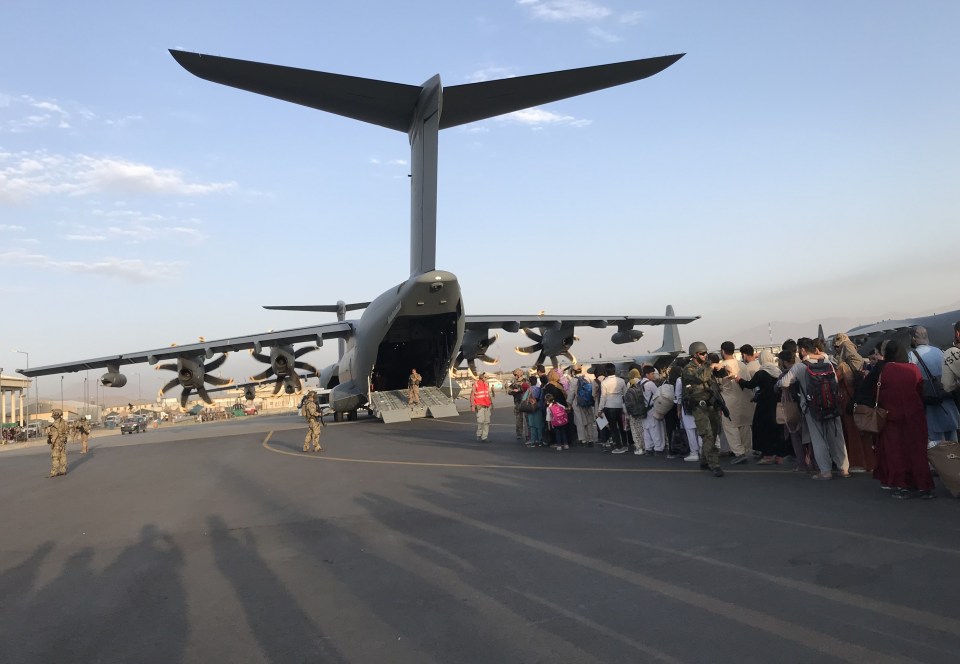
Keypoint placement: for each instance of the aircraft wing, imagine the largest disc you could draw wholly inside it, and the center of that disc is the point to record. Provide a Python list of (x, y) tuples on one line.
[(882, 326), (313, 334), (550, 336), (516, 323)]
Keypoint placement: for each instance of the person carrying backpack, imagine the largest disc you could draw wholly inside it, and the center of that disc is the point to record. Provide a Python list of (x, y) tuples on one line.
[(535, 420), (584, 415), (653, 430), (816, 379)]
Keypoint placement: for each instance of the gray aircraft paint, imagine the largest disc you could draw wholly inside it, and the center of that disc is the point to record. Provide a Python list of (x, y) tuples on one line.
[(420, 322)]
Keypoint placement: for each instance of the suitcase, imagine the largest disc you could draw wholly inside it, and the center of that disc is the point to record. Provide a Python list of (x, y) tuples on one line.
[(945, 457)]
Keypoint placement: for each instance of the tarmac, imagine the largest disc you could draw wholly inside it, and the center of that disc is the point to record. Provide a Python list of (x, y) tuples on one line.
[(413, 542)]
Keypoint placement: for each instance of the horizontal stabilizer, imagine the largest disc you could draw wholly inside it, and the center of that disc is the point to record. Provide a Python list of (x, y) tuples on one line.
[(391, 105), (487, 99), (381, 103), (329, 308)]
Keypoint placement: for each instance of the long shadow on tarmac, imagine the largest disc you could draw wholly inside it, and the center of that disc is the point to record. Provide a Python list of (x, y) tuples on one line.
[(132, 610), (284, 630)]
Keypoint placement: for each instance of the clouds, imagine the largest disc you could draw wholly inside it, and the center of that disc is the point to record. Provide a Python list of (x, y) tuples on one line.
[(538, 118), (129, 270), (565, 10), (27, 175), (604, 22)]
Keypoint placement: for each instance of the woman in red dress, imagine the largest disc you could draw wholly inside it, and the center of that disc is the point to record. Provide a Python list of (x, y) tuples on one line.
[(903, 442)]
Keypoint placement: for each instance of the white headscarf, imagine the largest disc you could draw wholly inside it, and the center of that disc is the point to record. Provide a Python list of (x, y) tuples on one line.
[(768, 363)]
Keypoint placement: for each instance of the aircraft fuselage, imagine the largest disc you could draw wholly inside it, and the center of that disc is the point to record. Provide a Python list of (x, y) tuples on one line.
[(417, 324)]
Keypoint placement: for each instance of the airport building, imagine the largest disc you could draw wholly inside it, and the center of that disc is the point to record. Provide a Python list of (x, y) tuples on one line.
[(14, 398)]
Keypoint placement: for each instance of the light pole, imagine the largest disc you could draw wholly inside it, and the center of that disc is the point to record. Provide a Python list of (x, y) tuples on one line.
[(139, 392), (61, 394), (36, 390)]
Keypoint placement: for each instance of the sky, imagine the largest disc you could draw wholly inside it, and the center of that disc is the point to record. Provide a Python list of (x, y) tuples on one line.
[(799, 163)]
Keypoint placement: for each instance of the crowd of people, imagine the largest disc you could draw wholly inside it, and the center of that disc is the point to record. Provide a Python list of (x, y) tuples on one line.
[(793, 407)]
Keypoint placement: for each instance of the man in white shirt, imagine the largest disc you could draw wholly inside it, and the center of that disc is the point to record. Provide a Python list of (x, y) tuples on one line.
[(951, 363), (653, 429), (737, 428), (611, 404)]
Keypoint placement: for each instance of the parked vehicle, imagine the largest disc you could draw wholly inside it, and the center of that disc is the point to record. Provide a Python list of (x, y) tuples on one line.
[(133, 425)]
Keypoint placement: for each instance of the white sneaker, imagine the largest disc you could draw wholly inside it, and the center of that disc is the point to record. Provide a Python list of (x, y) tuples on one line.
[(692, 457), (639, 451), (620, 450)]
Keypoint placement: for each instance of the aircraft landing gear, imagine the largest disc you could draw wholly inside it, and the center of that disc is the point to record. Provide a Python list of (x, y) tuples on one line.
[(352, 416)]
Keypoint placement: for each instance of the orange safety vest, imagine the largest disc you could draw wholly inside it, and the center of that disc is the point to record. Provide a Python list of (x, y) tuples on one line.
[(481, 394)]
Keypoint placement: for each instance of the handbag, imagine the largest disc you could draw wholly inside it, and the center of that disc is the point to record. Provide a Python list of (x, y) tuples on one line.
[(933, 393), (867, 419), (788, 412)]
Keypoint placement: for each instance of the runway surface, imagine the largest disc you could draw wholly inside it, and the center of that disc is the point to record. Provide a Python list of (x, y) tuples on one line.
[(414, 543)]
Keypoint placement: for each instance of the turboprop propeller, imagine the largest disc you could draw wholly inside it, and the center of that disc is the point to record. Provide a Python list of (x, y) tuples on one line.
[(283, 364), (193, 374)]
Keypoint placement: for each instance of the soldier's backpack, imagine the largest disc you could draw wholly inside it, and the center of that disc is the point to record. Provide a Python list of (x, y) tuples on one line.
[(635, 402), (558, 415), (823, 391), (584, 392)]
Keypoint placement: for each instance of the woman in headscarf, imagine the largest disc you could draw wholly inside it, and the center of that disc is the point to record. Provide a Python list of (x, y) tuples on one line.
[(902, 444), (849, 376), (767, 434)]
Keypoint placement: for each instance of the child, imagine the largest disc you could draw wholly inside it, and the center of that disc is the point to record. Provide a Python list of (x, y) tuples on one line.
[(557, 422)]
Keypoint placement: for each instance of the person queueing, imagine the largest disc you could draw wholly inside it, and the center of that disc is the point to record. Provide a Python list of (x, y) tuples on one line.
[(482, 404), (83, 430), (312, 414), (701, 391), (57, 439)]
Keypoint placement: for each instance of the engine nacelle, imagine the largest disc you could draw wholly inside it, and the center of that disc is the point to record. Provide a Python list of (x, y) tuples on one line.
[(282, 361), (190, 371), (475, 343), (626, 336), (113, 379), (250, 393)]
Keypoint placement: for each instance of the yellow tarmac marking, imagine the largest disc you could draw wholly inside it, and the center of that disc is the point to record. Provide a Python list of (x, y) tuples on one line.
[(487, 466)]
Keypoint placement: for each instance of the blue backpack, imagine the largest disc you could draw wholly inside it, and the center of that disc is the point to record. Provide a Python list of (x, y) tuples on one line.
[(584, 393)]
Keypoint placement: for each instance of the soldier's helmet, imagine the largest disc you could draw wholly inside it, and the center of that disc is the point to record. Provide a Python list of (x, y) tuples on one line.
[(312, 394), (56, 412), (697, 347)]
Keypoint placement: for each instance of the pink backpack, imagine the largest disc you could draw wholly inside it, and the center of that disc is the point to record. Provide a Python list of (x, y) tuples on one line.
[(558, 415)]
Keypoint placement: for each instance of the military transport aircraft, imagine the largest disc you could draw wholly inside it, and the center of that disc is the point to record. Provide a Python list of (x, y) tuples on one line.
[(939, 328), (420, 322), (659, 359)]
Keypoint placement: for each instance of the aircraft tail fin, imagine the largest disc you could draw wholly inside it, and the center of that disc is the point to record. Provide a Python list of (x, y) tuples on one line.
[(391, 105), (820, 334), (671, 336)]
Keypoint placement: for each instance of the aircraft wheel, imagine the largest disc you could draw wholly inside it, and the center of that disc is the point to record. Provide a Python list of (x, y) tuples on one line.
[(352, 416), (337, 416)]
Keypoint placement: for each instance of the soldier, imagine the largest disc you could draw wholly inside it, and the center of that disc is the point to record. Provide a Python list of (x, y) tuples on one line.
[(83, 430), (413, 388), (701, 399), (312, 415), (57, 439)]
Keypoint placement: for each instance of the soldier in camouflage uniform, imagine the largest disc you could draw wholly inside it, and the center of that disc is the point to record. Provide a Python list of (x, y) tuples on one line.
[(312, 415), (57, 439), (413, 389), (83, 430), (701, 399)]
